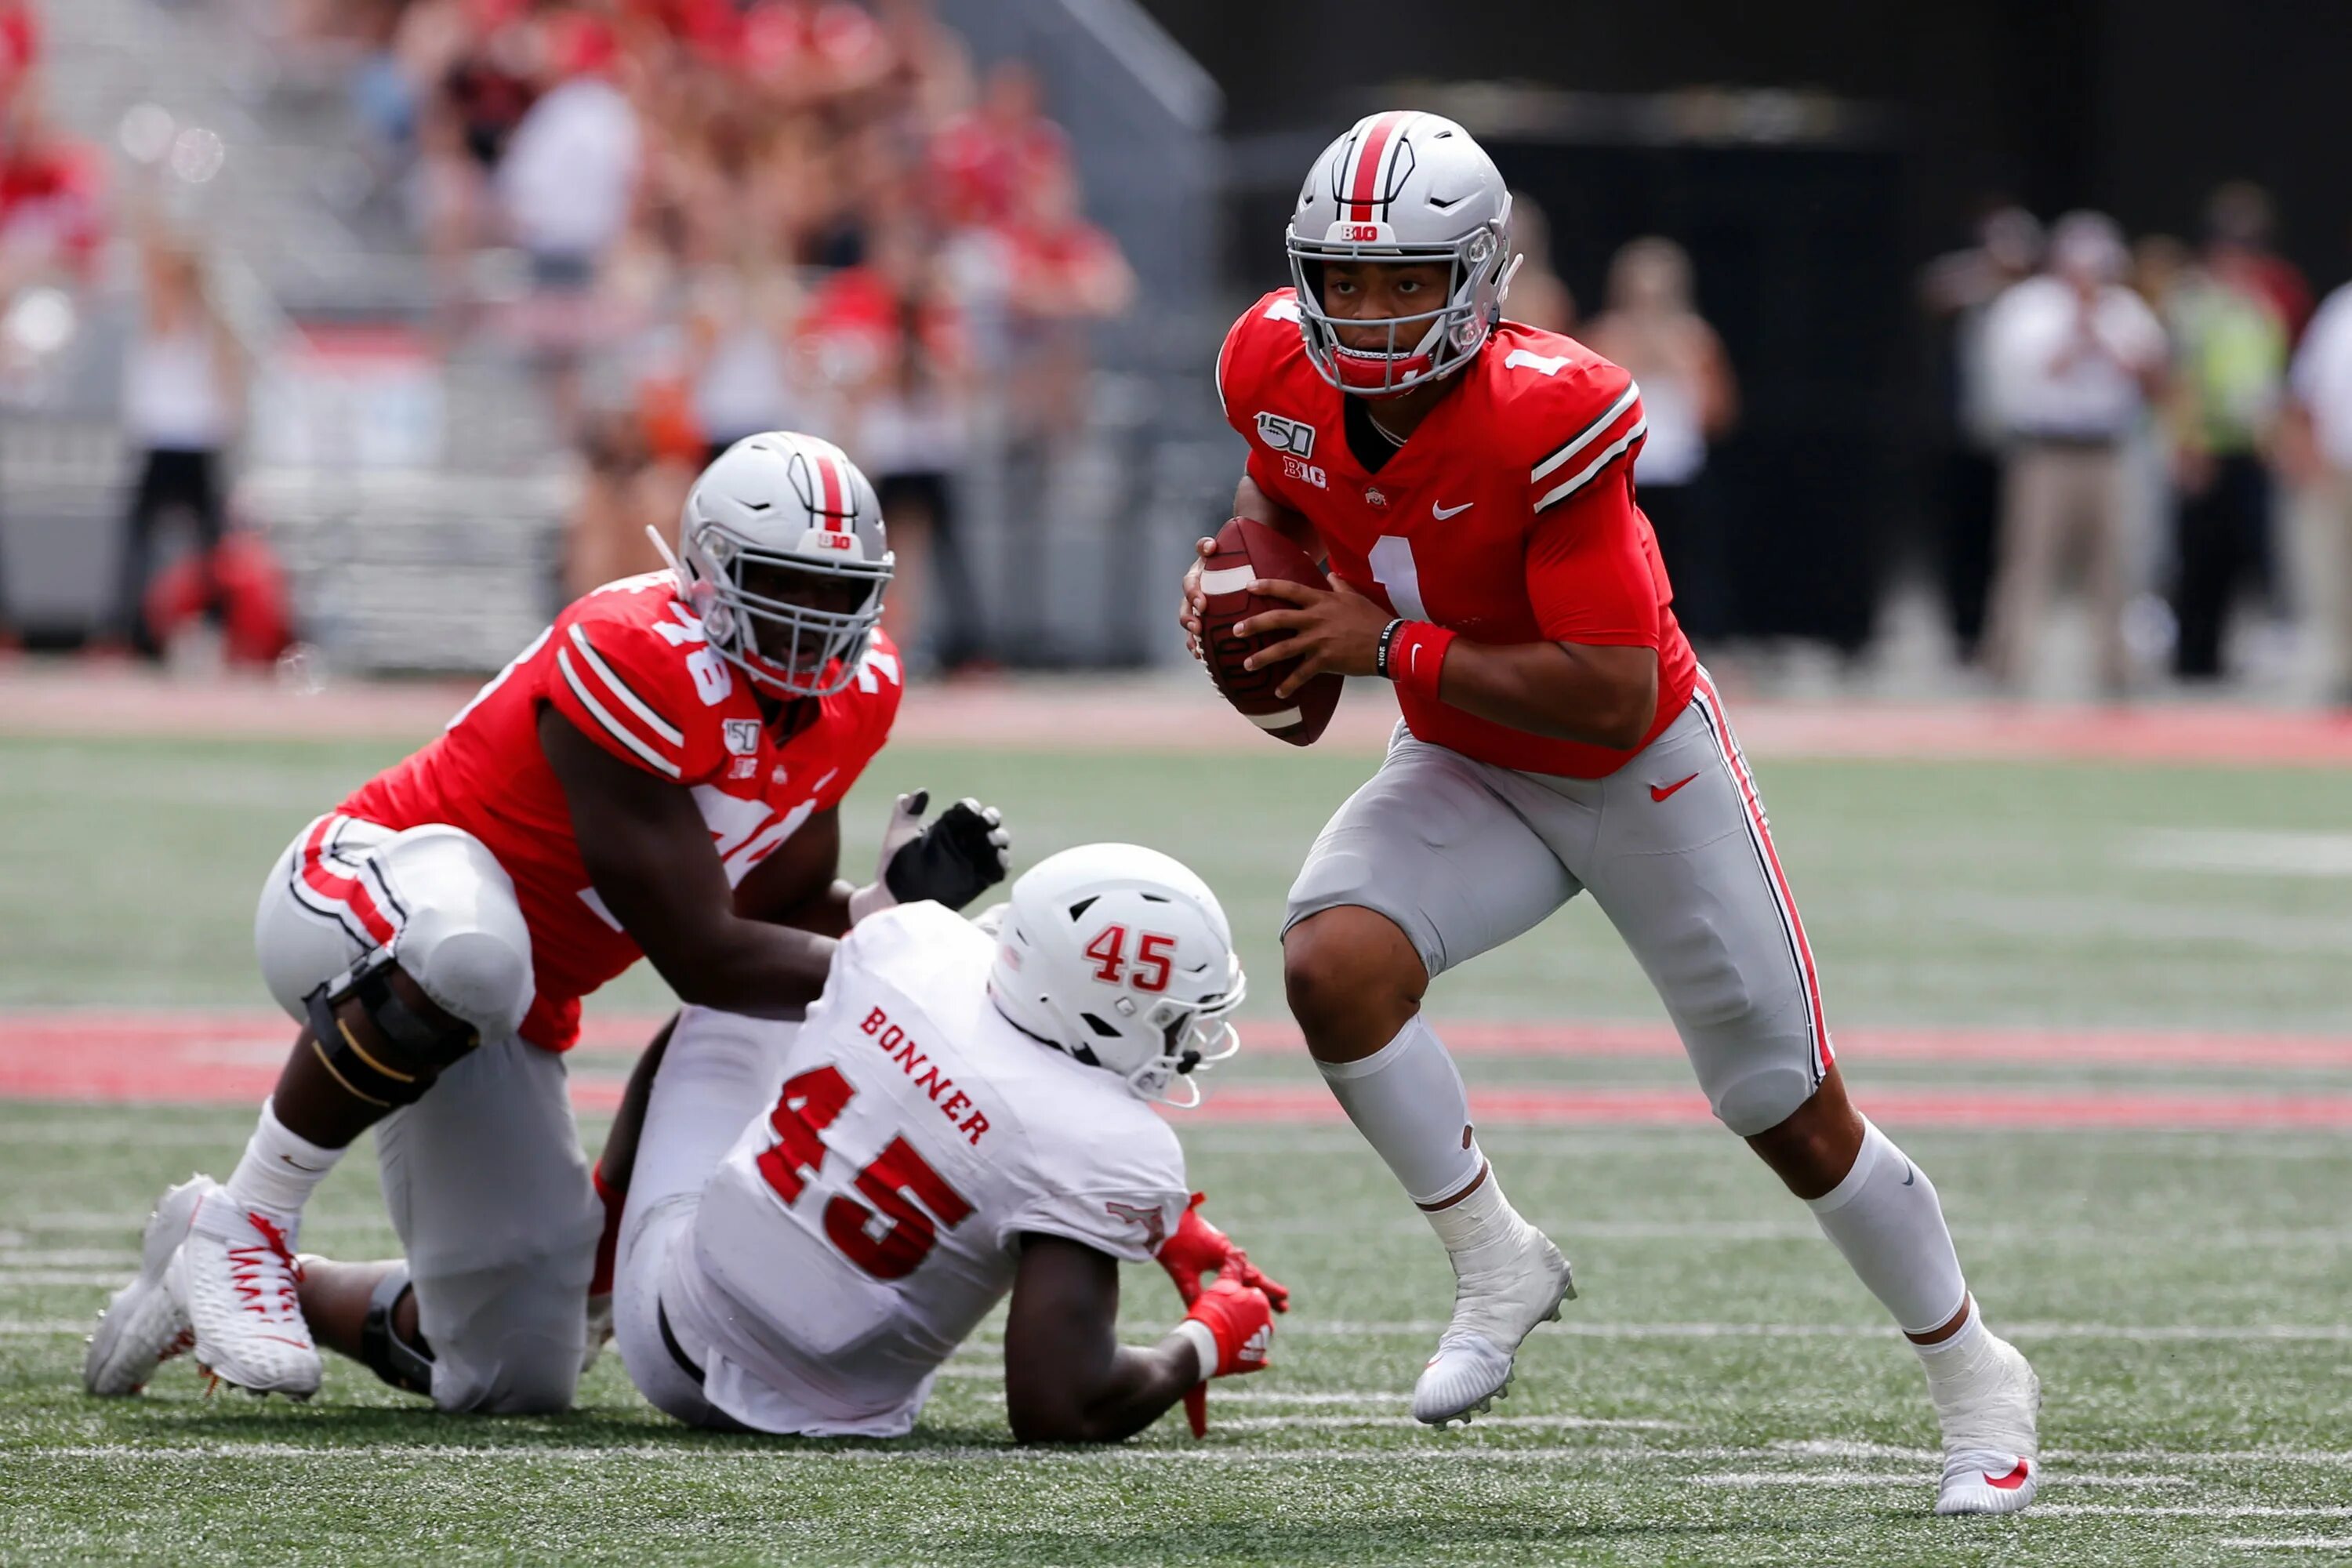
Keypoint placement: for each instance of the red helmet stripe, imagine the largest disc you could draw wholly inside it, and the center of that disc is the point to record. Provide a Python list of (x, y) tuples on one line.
[(829, 476), (1369, 153)]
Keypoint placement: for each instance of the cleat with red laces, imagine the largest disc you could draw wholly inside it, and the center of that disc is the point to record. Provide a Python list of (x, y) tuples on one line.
[(1992, 1446), (145, 1324), (238, 1274)]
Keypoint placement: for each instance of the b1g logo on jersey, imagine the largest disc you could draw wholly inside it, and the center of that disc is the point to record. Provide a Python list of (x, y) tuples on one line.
[(1293, 437), (1305, 473)]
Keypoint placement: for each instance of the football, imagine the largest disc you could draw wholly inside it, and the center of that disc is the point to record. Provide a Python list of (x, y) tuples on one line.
[(1248, 549)]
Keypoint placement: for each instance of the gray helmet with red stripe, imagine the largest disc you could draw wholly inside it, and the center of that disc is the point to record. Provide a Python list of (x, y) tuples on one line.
[(1403, 186), (779, 519)]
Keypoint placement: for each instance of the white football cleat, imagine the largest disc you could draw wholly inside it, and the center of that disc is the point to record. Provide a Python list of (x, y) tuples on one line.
[(237, 1274), (1991, 1445), (146, 1324), (1501, 1291)]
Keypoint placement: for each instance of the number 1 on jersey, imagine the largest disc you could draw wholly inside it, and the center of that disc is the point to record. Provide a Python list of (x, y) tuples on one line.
[(1394, 570)]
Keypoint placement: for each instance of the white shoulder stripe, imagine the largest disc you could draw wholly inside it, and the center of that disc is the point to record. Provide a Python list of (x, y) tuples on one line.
[(1568, 488), (619, 732), (1592, 432), (620, 688)]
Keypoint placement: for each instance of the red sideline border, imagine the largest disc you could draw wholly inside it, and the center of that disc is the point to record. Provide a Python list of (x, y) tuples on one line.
[(180, 1057)]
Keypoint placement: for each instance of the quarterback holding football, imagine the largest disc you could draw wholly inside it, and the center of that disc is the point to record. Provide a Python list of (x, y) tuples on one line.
[(1467, 481), (659, 774)]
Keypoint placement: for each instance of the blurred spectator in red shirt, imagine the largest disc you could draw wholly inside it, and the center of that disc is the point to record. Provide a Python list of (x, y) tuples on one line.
[(52, 217), (20, 43), (809, 51), (892, 341), (985, 160), (1061, 274), (2239, 216)]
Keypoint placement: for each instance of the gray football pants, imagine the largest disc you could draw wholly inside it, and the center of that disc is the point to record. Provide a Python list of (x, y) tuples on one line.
[(1464, 856)]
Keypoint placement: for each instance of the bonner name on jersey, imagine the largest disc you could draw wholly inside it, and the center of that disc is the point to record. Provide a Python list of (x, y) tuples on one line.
[(901, 1048)]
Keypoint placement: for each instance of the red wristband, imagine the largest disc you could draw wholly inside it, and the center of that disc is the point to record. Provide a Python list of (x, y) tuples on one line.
[(1417, 657)]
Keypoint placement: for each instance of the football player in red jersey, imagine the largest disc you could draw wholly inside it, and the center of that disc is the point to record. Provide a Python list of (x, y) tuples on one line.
[(659, 774), (1468, 482)]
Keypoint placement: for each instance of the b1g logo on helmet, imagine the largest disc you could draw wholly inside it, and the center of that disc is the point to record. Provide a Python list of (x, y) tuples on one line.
[(1294, 437)]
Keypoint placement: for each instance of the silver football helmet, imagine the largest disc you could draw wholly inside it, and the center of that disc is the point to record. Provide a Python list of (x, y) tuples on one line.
[(783, 556), (1403, 186), (1120, 956)]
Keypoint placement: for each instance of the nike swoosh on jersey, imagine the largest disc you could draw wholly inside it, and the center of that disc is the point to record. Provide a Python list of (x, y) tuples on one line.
[(1660, 792), (1441, 512)]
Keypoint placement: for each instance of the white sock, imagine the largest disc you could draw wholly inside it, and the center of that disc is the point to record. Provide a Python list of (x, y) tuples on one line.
[(1407, 1100), (1885, 1218), (280, 1168), (1954, 1359)]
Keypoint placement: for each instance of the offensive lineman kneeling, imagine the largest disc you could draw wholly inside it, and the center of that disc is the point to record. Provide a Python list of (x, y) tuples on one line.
[(957, 1118)]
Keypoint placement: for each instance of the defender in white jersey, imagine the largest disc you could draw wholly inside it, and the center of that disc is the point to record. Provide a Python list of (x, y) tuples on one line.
[(819, 1213)]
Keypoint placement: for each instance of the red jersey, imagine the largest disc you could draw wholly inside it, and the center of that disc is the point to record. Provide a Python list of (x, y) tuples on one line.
[(1507, 516), (628, 665)]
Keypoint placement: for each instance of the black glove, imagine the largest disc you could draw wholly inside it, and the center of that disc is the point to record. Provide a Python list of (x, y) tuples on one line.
[(954, 858)]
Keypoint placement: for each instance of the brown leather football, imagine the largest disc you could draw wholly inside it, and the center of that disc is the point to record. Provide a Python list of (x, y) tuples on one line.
[(1248, 549)]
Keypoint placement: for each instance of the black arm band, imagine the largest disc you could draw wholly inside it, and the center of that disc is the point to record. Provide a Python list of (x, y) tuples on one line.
[(1381, 654)]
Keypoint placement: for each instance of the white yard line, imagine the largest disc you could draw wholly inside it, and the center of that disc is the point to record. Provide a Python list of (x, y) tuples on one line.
[(1450, 1448), (2195, 1511), (1405, 1423), (2227, 1333), (1751, 1478)]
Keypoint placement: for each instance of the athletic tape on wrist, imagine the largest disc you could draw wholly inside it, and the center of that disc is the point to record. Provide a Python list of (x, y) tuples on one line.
[(1204, 1344)]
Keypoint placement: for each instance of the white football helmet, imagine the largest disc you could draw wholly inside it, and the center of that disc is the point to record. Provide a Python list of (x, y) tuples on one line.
[(776, 519), (1403, 186), (1120, 956)]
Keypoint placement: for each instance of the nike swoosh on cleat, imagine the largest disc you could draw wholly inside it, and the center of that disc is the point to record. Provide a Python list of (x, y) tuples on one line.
[(2012, 1481), (1910, 1172), (282, 1339), (1658, 792)]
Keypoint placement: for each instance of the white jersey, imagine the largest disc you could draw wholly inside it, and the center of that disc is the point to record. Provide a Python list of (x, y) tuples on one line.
[(871, 1217)]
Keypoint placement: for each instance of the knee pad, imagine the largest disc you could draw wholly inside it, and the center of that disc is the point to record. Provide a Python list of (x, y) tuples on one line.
[(406, 1366), (408, 1052), (464, 940)]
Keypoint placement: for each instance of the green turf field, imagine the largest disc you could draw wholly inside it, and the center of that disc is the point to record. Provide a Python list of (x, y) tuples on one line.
[(1723, 1393)]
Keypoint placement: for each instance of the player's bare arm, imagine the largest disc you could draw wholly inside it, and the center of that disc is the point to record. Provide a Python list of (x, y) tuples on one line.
[(648, 857), (1572, 692), (1066, 1377)]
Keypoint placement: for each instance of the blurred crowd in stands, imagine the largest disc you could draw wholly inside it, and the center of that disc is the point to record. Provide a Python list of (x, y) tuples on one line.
[(2168, 423), (696, 219), (808, 213)]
